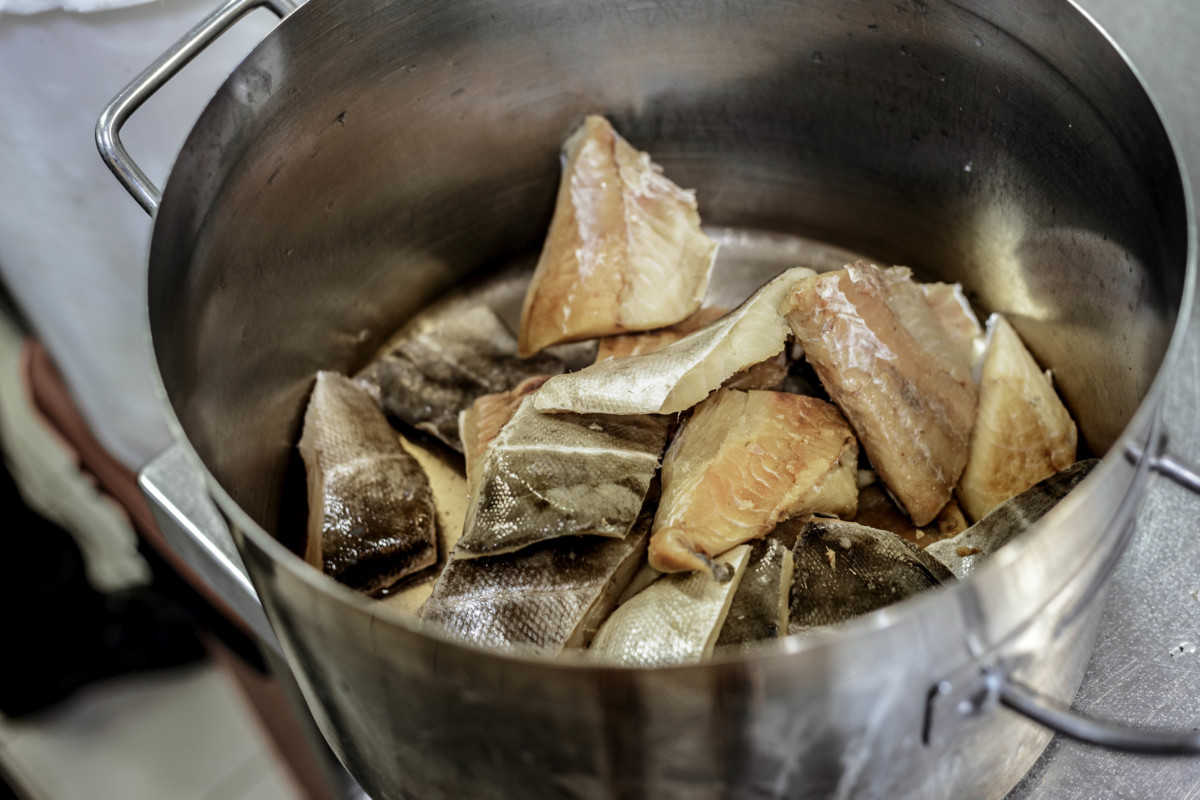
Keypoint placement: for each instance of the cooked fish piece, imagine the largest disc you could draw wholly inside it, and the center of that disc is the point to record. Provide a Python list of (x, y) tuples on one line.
[(963, 553), (759, 609), (547, 597), (885, 361), (633, 344), (682, 374), (950, 305), (371, 518), (741, 463), (487, 416), (645, 576), (675, 620), (843, 570), (767, 375), (550, 475), (876, 509), (625, 251), (441, 361), (1023, 432)]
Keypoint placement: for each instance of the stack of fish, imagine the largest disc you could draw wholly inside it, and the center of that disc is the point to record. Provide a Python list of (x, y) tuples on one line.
[(683, 495)]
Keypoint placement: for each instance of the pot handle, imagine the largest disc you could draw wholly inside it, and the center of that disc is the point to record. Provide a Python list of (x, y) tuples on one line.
[(140, 89)]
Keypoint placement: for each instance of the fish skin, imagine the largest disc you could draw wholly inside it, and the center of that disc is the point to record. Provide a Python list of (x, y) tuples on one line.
[(372, 519), (759, 610), (546, 598), (885, 361), (1007, 521), (442, 361), (742, 462), (633, 344), (1023, 433), (844, 570), (876, 509), (550, 475), (675, 620), (624, 252), (682, 374), (487, 416)]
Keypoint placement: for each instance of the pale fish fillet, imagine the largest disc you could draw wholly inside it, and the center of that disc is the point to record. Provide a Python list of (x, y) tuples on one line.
[(441, 361), (950, 305), (876, 509), (487, 416), (624, 252), (547, 597), (675, 620), (884, 360), (550, 475), (740, 464), (682, 374), (450, 503), (963, 553), (759, 610), (634, 344), (371, 517), (1023, 433), (844, 570)]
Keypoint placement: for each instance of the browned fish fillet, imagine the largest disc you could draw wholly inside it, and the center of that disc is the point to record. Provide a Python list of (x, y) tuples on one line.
[(371, 513), (1023, 433), (624, 252), (888, 365), (877, 510), (547, 597), (741, 463), (633, 344)]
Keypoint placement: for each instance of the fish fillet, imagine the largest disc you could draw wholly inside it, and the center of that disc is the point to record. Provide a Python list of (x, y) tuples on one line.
[(633, 344), (743, 462), (876, 509), (550, 475), (371, 513), (759, 610), (675, 620), (963, 553), (1023, 433), (547, 597), (624, 251), (952, 309), (682, 374), (442, 361), (888, 365), (843, 570)]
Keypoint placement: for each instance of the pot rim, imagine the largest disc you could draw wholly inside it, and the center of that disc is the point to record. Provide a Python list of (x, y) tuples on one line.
[(851, 634)]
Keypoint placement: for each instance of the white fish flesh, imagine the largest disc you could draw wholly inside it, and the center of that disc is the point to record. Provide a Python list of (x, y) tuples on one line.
[(675, 620), (682, 374)]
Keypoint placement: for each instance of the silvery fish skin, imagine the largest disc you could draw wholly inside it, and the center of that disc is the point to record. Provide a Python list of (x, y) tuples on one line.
[(682, 374), (888, 364), (442, 361), (876, 509), (487, 416), (759, 610), (964, 553), (550, 475), (547, 597), (1023, 433), (634, 344), (843, 570), (742, 462), (675, 620), (371, 513), (624, 252)]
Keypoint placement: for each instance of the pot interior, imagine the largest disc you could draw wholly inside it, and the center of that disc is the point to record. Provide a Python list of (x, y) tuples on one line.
[(369, 157)]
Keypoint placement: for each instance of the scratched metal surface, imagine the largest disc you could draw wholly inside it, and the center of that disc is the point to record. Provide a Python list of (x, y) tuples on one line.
[(1146, 665)]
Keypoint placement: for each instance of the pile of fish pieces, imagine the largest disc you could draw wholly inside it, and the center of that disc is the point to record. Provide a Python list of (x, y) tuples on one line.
[(674, 499)]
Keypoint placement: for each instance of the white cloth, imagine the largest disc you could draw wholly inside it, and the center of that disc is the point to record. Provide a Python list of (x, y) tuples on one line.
[(73, 243)]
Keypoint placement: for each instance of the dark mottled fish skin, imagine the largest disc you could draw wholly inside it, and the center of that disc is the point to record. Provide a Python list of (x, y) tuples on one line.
[(546, 598), (372, 519), (759, 610), (1007, 521), (551, 475), (442, 361), (843, 570)]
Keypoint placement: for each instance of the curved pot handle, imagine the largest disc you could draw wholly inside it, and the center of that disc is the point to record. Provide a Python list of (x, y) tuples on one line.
[(140, 89)]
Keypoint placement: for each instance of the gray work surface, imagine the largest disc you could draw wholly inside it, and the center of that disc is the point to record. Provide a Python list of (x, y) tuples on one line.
[(1146, 666)]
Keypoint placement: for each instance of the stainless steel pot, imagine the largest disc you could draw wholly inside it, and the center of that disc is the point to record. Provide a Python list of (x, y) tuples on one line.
[(368, 156)]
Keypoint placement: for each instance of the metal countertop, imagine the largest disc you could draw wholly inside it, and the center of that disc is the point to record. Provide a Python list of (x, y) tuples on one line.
[(1146, 665)]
